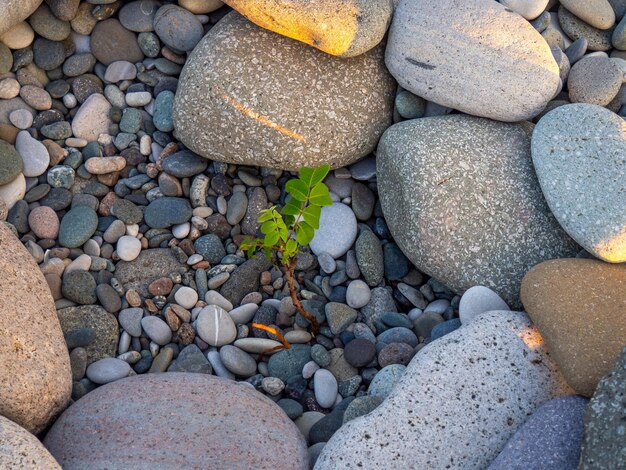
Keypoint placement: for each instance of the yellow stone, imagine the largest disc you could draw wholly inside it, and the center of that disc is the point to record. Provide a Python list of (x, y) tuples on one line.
[(344, 28)]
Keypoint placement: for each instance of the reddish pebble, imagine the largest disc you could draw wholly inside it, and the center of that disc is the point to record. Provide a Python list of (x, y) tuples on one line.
[(161, 286), (44, 222)]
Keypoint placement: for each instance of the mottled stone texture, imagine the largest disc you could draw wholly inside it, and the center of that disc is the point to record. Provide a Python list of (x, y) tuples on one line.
[(345, 28), (454, 413), (249, 96), (14, 11), (176, 420), (34, 363), (605, 423), (147, 267), (578, 151), (579, 306), (19, 449), (462, 201), (476, 56)]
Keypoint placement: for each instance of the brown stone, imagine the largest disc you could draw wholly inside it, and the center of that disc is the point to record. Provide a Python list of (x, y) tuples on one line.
[(34, 362), (57, 153), (579, 306), (162, 286), (172, 320), (133, 298), (110, 41), (104, 165), (247, 429), (148, 266), (21, 450), (185, 334)]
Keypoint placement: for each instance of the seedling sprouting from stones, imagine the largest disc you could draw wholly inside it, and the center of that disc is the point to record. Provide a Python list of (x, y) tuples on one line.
[(285, 232)]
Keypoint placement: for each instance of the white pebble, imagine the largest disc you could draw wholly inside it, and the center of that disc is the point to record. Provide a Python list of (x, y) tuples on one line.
[(358, 294), (138, 98), (195, 258), (82, 263), (70, 101), (128, 248), (182, 230), (21, 118), (215, 298), (34, 154), (145, 144), (132, 230), (186, 297)]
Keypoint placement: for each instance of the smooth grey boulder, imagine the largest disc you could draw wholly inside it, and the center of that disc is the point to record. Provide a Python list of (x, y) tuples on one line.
[(476, 56), (454, 414), (249, 96), (578, 152), (462, 201), (14, 11)]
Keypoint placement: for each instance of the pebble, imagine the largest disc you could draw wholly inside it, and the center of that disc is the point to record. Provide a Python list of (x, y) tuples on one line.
[(210, 247), (79, 287), (191, 359), (337, 232), (9, 88), (325, 388), (594, 80), (10, 163), (34, 155), (110, 42), (237, 361), (215, 298), (92, 118), (139, 15), (596, 13), (477, 300), (138, 98), (44, 222), (21, 118), (130, 320), (339, 316), (215, 326), (77, 226), (128, 248), (256, 345), (120, 70), (157, 330), (529, 9), (108, 298), (369, 256), (186, 297), (104, 165), (177, 28), (167, 211), (359, 352), (107, 370)]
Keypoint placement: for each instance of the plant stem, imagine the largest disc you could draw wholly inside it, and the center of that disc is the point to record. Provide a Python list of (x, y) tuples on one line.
[(315, 326)]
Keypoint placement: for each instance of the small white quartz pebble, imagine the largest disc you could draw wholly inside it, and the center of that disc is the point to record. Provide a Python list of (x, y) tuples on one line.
[(186, 297), (128, 248), (181, 231)]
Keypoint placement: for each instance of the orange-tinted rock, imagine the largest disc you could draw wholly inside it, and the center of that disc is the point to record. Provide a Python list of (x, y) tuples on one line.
[(176, 420), (34, 363), (579, 305)]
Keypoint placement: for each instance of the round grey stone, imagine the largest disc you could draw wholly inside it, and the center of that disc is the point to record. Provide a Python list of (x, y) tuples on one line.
[(237, 361), (77, 226)]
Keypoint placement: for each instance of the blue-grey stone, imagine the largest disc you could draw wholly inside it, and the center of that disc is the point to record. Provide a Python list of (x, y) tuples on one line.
[(396, 264), (549, 439), (385, 379), (184, 164), (397, 334), (361, 406), (77, 226), (444, 328), (289, 362), (163, 113), (191, 359), (210, 247), (167, 211)]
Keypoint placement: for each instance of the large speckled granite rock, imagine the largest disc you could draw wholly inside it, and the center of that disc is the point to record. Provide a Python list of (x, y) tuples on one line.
[(462, 201), (603, 443), (454, 414), (19, 449), (578, 152), (342, 28), (476, 56), (34, 363), (14, 11), (252, 97), (176, 420), (579, 306)]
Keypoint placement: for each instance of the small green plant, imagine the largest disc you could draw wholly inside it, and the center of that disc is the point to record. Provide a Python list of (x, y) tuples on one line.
[(285, 232)]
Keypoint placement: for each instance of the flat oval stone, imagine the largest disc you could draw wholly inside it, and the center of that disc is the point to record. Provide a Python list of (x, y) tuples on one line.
[(429, 42), (184, 164), (337, 232), (215, 326), (77, 226), (325, 388), (157, 330), (477, 300), (218, 113), (594, 80), (139, 15), (167, 211), (248, 430), (238, 361), (10, 163), (107, 370), (597, 13), (34, 154), (577, 151)]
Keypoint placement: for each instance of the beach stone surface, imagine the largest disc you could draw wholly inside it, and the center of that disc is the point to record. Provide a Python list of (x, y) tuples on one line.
[(552, 435), (92, 118), (344, 29), (594, 80), (337, 232), (576, 152), (458, 226), (34, 362), (21, 450), (430, 41), (477, 300), (575, 303), (596, 13), (248, 102), (603, 442), (10, 163), (514, 376), (247, 429), (110, 42), (15, 11)]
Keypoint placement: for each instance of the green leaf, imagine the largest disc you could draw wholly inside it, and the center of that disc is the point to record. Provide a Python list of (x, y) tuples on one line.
[(312, 176), (304, 233), (284, 233), (292, 247), (292, 207), (298, 189), (320, 196), (268, 227), (271, 239), (289, 220), (267, 214), (312, 216)]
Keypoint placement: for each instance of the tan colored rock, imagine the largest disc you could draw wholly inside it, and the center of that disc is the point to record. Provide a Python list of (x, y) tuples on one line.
[(579, 306), (344, 28), (597, 13), (19, 449), (199, 7), (249, 96), (19, 36), (92, 118), (172, 423), (104, 165), (14, 11), (34, 363)]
